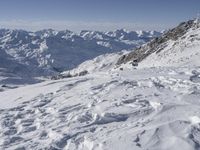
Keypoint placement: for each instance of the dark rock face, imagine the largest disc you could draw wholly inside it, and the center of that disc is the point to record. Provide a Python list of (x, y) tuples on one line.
[(195, 77), (68, 75), (157, 44)]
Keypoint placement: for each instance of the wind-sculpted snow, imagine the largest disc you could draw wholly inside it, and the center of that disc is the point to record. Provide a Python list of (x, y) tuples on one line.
[(155, 109), (103, 106)]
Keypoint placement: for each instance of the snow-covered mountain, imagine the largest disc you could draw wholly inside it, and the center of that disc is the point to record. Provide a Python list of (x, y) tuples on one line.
[(177, 47), (144, 99), (47, 52)]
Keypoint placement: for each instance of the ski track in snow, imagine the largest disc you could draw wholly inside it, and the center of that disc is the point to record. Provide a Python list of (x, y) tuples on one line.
[(131, 109)]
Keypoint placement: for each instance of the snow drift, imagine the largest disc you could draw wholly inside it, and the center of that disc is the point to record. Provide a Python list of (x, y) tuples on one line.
[(153, 106)]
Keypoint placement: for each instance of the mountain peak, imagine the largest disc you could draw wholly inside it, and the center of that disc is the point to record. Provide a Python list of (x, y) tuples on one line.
[(172, 39), (48, 52)]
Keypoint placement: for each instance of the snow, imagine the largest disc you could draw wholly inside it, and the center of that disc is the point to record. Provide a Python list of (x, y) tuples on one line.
[(195, 120), (43, 46), (182, 52), (119, 109), (100, 63), (49, 52), (154, 106)]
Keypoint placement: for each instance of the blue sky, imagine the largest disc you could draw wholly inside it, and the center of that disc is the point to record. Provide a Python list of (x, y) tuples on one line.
[(96, 14)]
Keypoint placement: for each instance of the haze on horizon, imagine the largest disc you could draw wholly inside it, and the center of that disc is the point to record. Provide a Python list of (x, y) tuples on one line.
[(101, 15)]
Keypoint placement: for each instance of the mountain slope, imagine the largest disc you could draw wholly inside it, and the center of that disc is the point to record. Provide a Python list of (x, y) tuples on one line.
[(112, 106), (182, 52), (29, 55), (62, 50), (176, 47), (13, 73), (130, 109)]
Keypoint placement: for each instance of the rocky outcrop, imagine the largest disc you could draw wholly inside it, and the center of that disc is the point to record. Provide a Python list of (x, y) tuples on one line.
[(157, 44), (69, 75)]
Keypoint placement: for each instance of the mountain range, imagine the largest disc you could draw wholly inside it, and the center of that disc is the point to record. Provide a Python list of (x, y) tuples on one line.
[(146, 98), (25, 55)]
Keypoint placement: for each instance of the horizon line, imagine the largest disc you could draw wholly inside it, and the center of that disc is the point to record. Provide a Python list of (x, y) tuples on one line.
[(77, 26)]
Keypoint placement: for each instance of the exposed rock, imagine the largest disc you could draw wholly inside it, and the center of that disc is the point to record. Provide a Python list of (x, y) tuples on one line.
[(69, 75), (82, 73), (157, 44)]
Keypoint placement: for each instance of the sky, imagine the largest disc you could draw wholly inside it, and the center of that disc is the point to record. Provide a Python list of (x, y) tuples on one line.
[(100, 15)]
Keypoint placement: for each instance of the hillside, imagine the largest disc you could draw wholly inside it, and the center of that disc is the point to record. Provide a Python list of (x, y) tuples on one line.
[(177, 47), (25, 56), (116, 105)]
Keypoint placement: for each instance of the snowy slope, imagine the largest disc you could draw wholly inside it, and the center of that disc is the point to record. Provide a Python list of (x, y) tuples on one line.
[(104, 62), (176, 47), (155, 109), (57, 51), (182, 52), (112, 107), (25, 55), (13, 73)]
